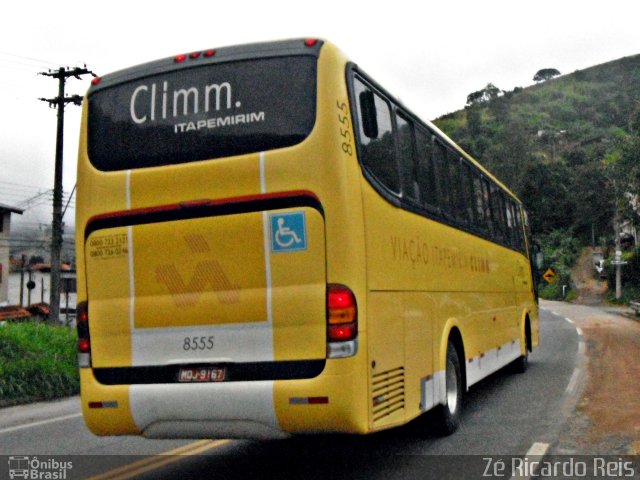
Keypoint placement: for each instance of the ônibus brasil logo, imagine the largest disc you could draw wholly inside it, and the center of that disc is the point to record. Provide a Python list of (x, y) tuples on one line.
[(35, 468)]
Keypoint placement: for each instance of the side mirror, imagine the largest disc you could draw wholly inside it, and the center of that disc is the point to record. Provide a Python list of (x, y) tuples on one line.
[(539, 258), (537, 255), (368, 114)]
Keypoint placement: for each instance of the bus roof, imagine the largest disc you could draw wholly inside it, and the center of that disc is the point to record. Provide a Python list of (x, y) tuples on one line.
[(210, 56)]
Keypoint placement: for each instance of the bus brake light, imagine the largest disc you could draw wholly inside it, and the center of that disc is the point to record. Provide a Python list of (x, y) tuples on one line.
[(343, 333), (83, 345), (84, 341), (342, 314)]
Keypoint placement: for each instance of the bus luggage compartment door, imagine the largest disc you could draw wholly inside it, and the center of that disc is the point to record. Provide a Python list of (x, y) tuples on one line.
[(233, 288)]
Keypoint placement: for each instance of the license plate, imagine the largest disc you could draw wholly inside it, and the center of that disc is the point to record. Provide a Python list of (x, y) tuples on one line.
[(201, 374)]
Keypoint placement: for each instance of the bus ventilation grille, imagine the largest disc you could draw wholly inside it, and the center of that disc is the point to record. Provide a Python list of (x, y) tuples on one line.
[(387, 393)]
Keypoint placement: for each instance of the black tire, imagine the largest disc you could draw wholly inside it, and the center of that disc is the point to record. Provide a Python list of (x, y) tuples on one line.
[(448, 415), (521, 363)]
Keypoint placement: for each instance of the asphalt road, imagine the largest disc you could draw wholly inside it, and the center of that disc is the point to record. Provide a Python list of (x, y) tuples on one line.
[(505, 415)]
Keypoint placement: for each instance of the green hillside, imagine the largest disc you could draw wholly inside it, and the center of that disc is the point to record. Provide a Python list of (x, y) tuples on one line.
[(569, 147)]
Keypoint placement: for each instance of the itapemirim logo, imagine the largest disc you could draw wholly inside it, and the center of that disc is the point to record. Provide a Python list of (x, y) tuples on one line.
[(38, 469)]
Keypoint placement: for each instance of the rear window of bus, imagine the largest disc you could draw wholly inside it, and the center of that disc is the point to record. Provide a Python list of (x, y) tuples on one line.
[(204, 112)]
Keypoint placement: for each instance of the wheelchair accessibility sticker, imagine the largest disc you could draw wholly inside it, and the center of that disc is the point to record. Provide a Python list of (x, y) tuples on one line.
[(288, 232)]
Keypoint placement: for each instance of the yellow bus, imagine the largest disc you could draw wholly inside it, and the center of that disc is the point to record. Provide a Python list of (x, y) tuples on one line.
[(269, 243)]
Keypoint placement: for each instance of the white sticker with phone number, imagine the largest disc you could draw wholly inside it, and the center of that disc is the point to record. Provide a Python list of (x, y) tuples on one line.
[(108, 246)]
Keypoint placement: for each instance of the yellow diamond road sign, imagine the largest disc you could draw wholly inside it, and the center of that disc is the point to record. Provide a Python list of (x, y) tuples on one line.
[(549, 275)]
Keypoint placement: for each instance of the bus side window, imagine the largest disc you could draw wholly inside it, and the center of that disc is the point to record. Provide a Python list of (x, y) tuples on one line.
[(426, 171), (478, 196), (442, 176), (497, 214), (490, 225), (515, 225), (468, 192), (368, 114), (377, 145), (503, 218), (456, 186), (520, 245), (406, 151), (510, 229)]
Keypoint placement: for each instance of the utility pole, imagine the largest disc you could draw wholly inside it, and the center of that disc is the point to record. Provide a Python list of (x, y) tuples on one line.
[(59, 102), (618, 262)]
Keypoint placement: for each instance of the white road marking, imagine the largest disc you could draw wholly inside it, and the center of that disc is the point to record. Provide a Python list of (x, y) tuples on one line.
[(573, 383), (538, 448), (39, 423), (537, 451)]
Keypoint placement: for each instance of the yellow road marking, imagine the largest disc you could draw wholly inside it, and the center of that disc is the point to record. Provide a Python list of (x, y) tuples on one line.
[(154, 462)]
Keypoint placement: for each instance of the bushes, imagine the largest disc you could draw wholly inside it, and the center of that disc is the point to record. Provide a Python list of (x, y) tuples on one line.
[(554, 291), (561, 250), (37, 362)]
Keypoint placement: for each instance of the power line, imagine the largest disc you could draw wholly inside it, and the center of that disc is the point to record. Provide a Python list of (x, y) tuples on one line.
[(69, 200), (14, 194), (23, 57), (22, 185), (12, 64)]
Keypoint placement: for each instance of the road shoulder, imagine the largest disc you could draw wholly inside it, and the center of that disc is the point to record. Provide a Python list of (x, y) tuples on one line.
[(606, 417), (13, 417)]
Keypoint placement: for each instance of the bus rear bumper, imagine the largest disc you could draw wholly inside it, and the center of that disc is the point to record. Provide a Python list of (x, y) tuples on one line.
[(190, 429), (269, 409), (211, 410)]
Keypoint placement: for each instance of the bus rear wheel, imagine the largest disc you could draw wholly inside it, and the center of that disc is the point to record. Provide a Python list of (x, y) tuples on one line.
[(448, 415), (521, 363)]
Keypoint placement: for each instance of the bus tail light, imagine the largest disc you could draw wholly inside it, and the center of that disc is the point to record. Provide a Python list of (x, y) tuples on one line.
[(84, 341), (342, 322)]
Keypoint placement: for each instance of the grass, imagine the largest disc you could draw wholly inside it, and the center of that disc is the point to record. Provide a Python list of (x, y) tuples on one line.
[(629, 293), (37, 362)]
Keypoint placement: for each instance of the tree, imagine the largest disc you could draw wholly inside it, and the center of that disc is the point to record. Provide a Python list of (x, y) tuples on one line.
[(482, 96), (545, 74), (547, 197), (474, 120), (593, 202)]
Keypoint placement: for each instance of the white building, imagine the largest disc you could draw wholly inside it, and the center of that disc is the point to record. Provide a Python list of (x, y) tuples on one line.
[(5, 227)]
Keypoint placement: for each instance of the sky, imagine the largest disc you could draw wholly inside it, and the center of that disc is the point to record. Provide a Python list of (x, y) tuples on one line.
[(431, 55)]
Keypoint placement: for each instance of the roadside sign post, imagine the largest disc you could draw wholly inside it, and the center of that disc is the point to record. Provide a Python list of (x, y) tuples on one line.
[(618, 262)]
